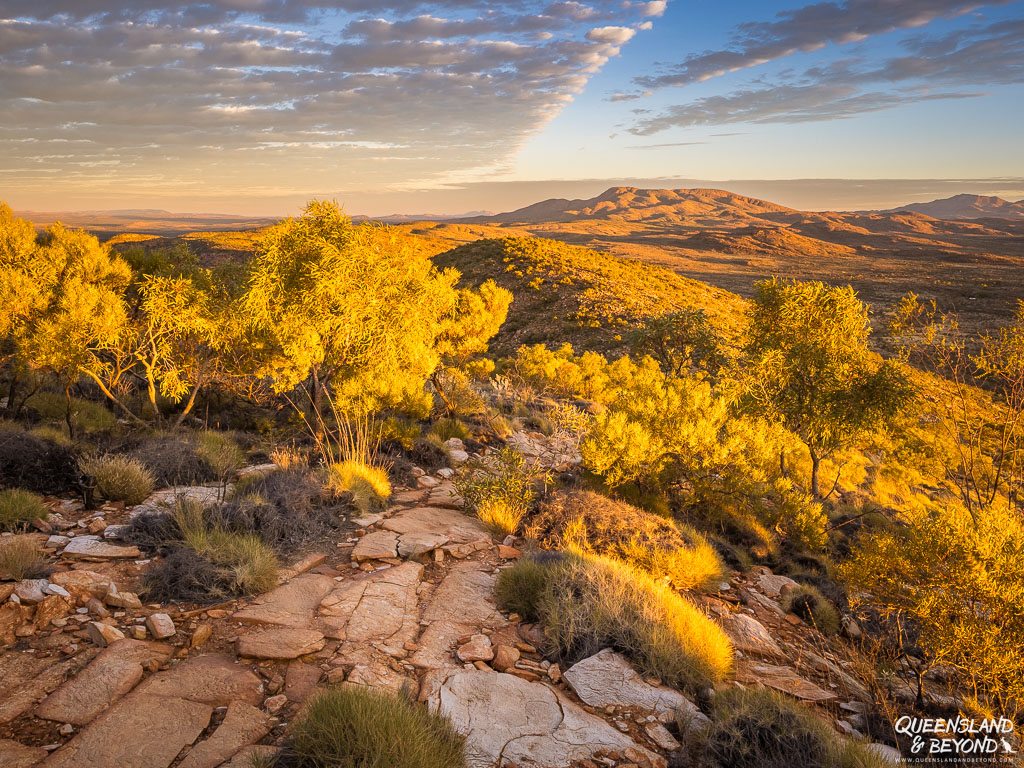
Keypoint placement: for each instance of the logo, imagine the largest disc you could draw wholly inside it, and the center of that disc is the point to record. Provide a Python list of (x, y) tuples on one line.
[(958, 740)]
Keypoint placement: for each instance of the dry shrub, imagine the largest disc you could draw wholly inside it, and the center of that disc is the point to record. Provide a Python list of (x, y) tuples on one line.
[(21, 558), (19, 507), (353, 727), (500, 518), (173, 460), (809, 604), (36, 464), (761, 728), (589, 522), (590, 602), (120, 478)]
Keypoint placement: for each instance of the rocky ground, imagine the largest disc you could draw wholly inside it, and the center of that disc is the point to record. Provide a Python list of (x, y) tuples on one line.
[(92, 677)]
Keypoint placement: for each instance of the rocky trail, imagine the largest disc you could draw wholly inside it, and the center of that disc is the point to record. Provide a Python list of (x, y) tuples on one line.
[(91, 677)]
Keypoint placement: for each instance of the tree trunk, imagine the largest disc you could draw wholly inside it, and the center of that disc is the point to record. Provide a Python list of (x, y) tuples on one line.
[(188, 405), (434, 379), (67, 413), (11, 390), (815, 474), (782, 463)]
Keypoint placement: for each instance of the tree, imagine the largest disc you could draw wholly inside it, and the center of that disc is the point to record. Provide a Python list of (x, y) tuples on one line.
[(981, 407), (465, 332), (682, 342), (73, 312), (352, 307), (807, 363)]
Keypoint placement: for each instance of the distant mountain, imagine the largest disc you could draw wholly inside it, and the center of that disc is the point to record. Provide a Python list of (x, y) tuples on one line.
[(647, 205), (967, 207)]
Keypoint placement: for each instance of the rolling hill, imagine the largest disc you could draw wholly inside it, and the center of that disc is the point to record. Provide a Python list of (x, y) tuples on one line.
[(967, 207)]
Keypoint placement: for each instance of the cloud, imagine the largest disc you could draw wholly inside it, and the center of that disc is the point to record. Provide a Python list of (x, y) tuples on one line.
[(265, 96), (669, 144), (613, 35), (958, 65), (807, 29)]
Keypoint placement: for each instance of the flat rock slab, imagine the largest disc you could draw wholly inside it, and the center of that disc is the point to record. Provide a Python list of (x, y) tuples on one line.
[(607, 679), (279, 643), (14, 754), (507, 719), (163, 500), (94, 548), (141, 730), (214, 679), (111, 675), (465, 596), (83, 584), (773, 585), (381, 609), (243, 725), (300, 680), (781, 679), (28, 683), (749, 636), (456, 526), (375, 546), (291, 604)]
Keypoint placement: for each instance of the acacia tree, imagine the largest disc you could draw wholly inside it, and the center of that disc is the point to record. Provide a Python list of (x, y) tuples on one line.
[(21, 295), (682, 342), (986, 425), (352, 307), (807, 363), (74, 312), (464, 334)]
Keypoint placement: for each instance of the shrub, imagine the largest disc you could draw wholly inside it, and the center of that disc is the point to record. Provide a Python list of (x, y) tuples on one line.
[(36, 464), (447, 428), (173, 460), (810, 605), (761, 728), (401, 432), (21, 558), (362, 728), (53, 433), (368, 484), (221, 453), (589, 522), (203, 561), (500, 518), (590, 602), (120, 478), (86, 415), (519, 588), (19, 507), (500, 491)]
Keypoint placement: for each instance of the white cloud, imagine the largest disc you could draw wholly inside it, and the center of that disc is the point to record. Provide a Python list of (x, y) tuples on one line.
[(613, 35)]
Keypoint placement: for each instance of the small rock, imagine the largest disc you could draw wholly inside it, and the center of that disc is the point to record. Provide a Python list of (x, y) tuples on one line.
[(123, 600), (31, 591), (139, 633), (200, 636), (508, 553), (275, 704), (57, 542), (56, 589), (97, 526), (478, 648), (95, 607), (103, 634), (446, 472), (505, 657), (216, 613), (660, 735), (160, 625), (851, 628)]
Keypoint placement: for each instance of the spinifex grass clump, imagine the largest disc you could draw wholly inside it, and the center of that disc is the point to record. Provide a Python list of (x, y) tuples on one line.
[(588, 602), (21, 558), (810, 605), (354, 727), (18, 508), (588, 522), (119, 478), (201, 561)]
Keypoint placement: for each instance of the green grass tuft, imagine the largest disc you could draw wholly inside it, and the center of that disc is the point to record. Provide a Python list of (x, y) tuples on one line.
[(18, 508), (120, 478)]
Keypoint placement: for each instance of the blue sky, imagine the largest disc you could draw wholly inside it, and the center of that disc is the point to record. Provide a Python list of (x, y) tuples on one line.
[(253, 106)]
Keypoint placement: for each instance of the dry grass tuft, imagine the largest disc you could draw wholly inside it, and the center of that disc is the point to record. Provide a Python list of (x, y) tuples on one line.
[(809, 604), (589, 602), (589, 522), (368, 484), (500, 518), (21, 558), (351, 727), (119, 478), (18, 508)]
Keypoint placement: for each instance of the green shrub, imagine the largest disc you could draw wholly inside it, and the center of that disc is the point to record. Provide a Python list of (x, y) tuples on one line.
[(18, 508), (761, 728), (221, 453), (590, 602), (447, 428), (500, 491), (811, 606), (350, 727), (86, 415), (21, 558), (589, 522), (368, 484), (400, 432), (120, 478), (519, 588), (53, 433)]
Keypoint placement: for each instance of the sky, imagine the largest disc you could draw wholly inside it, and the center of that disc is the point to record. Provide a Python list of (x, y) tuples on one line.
[(400, 106)]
